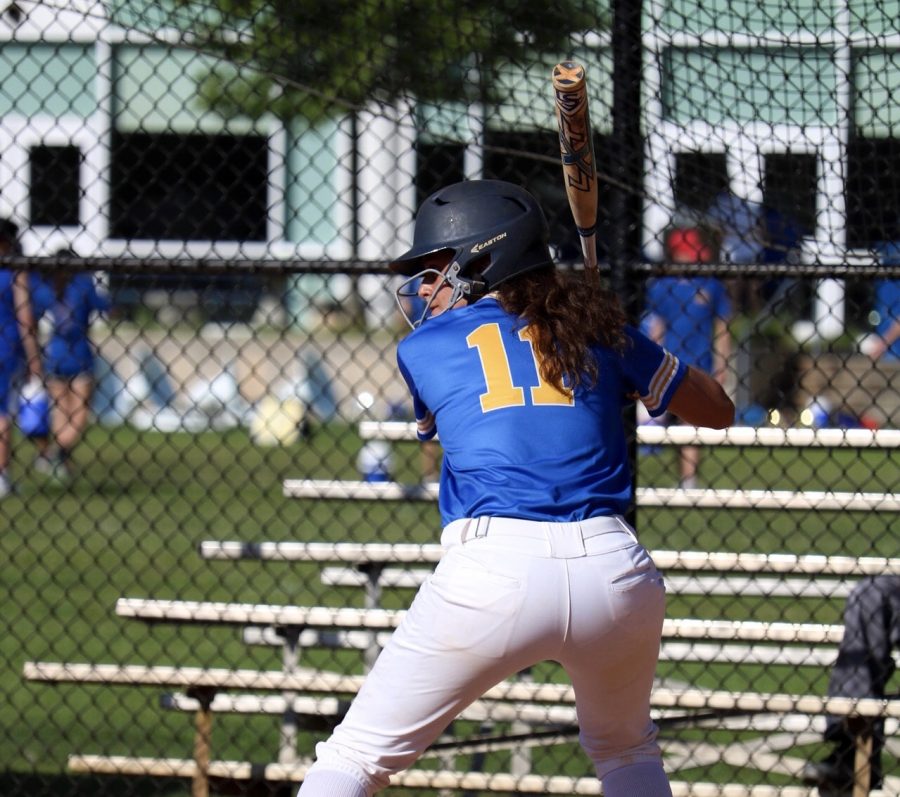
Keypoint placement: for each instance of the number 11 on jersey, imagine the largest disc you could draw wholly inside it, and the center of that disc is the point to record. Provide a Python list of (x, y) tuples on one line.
[(487, 340)]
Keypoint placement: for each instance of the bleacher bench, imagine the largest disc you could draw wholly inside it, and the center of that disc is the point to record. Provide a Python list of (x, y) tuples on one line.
[(205, 682), (368, 565), (378, 566)]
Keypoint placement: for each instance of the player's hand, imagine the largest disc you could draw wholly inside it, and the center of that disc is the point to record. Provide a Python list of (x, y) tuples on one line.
[(35, 371), (873, 346)]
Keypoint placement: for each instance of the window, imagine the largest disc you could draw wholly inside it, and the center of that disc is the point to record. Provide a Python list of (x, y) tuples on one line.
[(189, 187), (790, 188), (54, 185), (167, 186), (699, 177), (873, 210), (873, 191)]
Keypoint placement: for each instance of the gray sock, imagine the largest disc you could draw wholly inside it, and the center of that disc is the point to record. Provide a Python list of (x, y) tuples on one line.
[(646, 779)]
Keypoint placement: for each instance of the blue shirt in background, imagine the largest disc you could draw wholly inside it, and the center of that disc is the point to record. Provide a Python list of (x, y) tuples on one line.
[(688, 308), (69, 351), (887, 305), (12, 353), (10, 342)]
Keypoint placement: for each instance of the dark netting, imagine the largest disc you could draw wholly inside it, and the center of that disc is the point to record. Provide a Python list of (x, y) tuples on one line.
[(207, 539)]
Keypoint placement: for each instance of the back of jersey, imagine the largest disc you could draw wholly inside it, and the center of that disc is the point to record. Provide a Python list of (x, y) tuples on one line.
[(10, 345), (514, 445)]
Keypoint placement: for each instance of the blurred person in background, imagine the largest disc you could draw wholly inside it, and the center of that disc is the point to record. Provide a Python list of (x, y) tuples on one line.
[(741, 227), (864, 665), (689, 317), (886, 340), (19, 345), (69, 360)]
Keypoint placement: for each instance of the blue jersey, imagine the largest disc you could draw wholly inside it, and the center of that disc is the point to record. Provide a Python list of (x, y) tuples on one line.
[(515, 446), (69, 350), (10, 342), (688, 308), (11, 354), (11, 351), (887, 305)]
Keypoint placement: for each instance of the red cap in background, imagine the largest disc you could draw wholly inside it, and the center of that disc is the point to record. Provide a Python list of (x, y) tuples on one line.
[(688, 245)]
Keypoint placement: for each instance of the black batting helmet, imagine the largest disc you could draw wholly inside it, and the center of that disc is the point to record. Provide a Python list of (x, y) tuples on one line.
[(491, 219)]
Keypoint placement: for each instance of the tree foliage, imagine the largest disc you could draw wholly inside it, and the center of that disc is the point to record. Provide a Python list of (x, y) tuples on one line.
[(322, 57)]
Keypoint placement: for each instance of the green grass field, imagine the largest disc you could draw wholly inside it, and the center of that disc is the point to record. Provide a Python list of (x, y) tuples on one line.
[(129, 525)]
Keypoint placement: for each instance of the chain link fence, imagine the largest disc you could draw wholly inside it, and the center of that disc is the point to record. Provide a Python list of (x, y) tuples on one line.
[(203, 196)]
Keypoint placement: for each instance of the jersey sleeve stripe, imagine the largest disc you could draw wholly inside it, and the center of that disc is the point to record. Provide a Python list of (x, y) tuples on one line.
[(661, 381), (425, 427)]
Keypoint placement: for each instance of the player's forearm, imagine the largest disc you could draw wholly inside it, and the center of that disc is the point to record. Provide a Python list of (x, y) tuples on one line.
[(891, 334), (721, 352), (876, 345), (26, 322), (700, 400)]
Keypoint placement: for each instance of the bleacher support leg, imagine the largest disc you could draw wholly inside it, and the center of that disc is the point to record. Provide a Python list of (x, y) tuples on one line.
[(372, 571), (202, 740), (287, 747), (862, 762)]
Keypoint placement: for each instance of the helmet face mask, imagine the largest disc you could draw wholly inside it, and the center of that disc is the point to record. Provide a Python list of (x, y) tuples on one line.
[(495, 231), (470, 289)]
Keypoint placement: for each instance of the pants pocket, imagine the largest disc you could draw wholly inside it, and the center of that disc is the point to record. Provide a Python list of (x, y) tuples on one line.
[(638, 593), (468, 605)]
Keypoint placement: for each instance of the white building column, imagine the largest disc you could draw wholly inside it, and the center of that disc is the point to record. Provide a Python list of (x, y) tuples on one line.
[(473, 157), (831, 212), (387, 195)]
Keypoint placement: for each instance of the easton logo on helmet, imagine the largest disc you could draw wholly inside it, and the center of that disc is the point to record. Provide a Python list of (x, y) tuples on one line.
[(486, 244)]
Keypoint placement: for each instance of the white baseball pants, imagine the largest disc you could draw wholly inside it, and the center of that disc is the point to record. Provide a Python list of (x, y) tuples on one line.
[(508, 594)]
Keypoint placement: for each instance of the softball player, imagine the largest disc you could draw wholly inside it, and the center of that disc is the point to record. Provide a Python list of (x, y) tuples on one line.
[(18, 341), (70, 358), (689, 316), (524, 372), (886, 340)]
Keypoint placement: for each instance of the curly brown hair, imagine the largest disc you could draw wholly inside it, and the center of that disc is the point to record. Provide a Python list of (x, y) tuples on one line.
[(566, 314)]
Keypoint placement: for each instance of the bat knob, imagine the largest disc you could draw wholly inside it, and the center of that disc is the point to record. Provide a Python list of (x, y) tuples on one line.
[(568, 73)]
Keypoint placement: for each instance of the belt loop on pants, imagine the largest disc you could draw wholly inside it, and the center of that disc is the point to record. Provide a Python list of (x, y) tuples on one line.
[(473, 528)]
